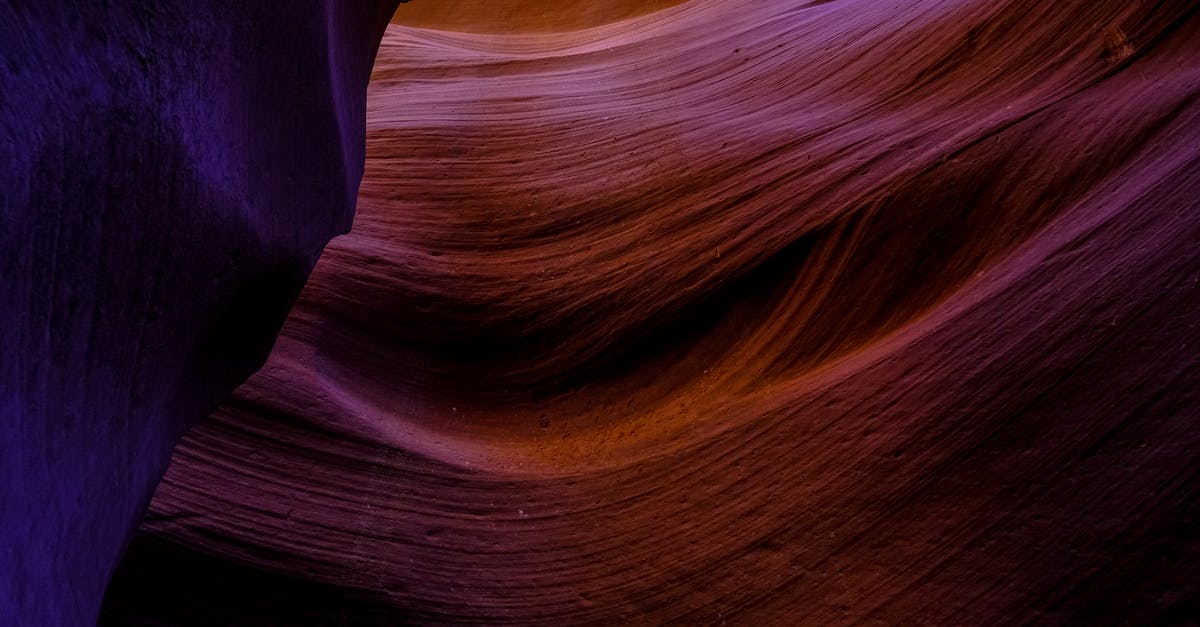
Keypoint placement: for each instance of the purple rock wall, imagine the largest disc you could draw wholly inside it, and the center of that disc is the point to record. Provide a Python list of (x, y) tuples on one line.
[(169, 173)]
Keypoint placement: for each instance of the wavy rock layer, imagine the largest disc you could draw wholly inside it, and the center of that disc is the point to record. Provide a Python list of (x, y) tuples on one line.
[(834, 312), (512, 16), (169, 173)]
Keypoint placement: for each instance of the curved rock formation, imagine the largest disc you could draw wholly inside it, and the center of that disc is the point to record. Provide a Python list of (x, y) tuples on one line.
[(787, 313), (169, 173), (514, 16)]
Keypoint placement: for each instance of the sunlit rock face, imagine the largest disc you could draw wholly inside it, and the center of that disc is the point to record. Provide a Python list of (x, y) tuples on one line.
[(169, 172), (746, 312)]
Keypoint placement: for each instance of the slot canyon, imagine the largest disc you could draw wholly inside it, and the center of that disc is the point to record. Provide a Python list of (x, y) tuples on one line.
[(813, 312)]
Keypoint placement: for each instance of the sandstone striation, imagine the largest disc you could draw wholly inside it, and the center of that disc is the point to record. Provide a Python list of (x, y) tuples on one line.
[(751, 312)]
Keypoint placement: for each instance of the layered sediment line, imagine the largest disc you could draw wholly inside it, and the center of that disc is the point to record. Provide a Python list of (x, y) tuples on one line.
[(520, 16), (822, 313)]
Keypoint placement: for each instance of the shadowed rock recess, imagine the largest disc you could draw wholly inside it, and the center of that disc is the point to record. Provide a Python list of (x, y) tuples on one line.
[(712, 312), (169, 173)]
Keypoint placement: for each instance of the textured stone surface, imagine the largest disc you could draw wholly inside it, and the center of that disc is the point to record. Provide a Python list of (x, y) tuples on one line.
[(169, 172), (736, 312), (522, 16), (746, 312)]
